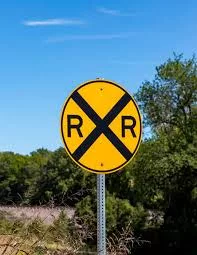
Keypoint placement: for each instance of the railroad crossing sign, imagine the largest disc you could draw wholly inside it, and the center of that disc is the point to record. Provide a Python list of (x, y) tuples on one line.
[(101, 126)]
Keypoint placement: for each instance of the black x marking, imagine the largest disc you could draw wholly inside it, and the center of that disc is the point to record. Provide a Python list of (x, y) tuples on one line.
[(102, 126)]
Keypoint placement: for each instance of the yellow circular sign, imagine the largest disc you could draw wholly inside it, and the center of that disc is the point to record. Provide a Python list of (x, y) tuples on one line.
[(101, 126)]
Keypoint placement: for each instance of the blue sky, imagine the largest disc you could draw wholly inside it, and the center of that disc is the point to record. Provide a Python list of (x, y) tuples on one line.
[(47, 48)]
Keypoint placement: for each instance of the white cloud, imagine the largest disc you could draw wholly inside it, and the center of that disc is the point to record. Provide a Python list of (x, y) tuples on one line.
[(88, 37), (114, 12), (53, 22), (109, 11)]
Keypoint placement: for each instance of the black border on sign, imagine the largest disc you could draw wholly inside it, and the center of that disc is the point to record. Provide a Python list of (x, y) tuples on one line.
[(67, 149)]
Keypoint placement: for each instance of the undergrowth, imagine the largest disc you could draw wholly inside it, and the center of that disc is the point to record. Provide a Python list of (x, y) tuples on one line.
[(63, 237)]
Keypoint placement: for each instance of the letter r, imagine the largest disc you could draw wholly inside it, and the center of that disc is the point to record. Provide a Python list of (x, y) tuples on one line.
[(74, 126)]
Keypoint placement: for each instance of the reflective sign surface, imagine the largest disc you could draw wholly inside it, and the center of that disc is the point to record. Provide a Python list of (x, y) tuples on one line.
[(101, 126)]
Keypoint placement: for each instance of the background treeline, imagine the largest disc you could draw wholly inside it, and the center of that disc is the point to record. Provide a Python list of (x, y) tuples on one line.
[(156, 194)]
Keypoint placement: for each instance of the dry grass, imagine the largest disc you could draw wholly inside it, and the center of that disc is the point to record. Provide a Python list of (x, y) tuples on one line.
[(46, 214), (51, 231), (40, 231), (123, 242)]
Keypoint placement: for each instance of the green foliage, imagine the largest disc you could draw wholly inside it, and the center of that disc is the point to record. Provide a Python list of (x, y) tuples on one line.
[(86, 214), (62, 228), (61, 181), (41, 178), (12, 226), (169, 101), (119, 213), (18, 175), (165, 168), (12, 177)]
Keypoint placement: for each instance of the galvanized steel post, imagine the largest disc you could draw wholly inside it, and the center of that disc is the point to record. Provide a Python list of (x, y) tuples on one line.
[(101, 220)]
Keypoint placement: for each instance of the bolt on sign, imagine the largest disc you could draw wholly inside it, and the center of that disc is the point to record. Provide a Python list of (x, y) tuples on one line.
[(101, 126)]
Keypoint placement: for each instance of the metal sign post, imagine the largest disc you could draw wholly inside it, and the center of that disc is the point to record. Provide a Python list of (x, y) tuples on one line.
[(101, 220)]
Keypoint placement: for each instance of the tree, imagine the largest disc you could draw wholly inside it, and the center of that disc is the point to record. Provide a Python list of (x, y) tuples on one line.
[(170, 101), (62, 181), (165, 169), (12, 177), (18, 175)]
